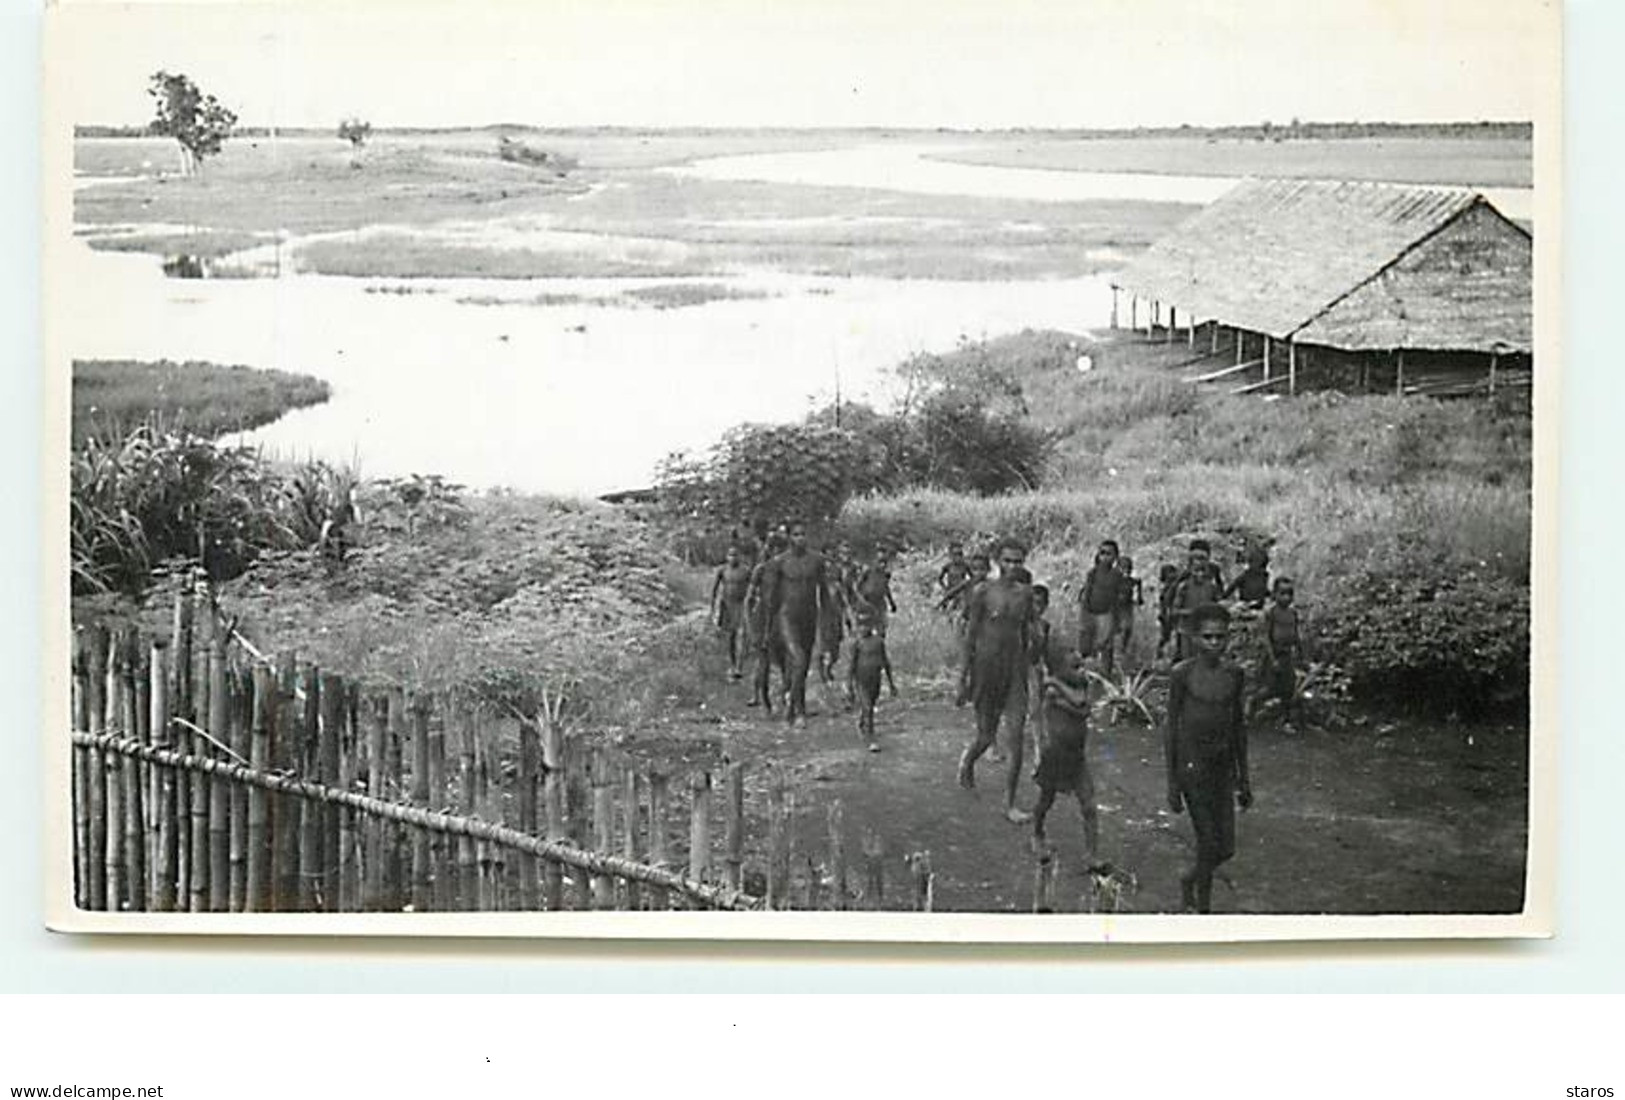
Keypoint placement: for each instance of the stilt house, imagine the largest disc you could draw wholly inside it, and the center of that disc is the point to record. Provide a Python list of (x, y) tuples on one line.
[(1354, 286)]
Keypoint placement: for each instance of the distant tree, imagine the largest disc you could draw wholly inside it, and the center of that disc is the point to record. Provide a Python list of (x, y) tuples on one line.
[(199, 123), (356, 131)]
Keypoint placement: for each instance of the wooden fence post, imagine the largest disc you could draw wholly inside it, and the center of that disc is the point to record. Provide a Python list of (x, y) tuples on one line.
[(118, 721), (603, 828), (184, 703), (924, 882), (837, 854), (578, 772), (168, 849), (631, 842), (874, 870), (81, 773), (468, 866), (258, 897), (1044, 882), (659, 849), (312, 816), (375, 855), (395, 869), (699, 828), (482, 801), (530, 751), (422, 898), (553, 796), (778, 841), (444, 861), (734, 824), (287, 735), (96, 770), (334, 768), (135, 833), (241, 736), (211, 798)]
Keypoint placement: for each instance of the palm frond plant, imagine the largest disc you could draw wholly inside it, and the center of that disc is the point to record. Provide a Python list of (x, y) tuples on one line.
[(1128, 696)]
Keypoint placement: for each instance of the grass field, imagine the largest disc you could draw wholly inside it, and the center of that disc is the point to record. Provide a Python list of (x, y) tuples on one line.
[(112, 396)]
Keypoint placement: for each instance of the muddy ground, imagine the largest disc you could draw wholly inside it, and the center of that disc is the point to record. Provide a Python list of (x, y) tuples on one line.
[(1372, 817)]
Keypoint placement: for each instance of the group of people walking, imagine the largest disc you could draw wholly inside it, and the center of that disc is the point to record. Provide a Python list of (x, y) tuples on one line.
[(791, 606)]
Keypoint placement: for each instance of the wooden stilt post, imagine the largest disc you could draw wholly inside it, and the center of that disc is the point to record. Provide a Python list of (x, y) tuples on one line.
[(1173, 322), (837, 855), (699, 827), (1213, 338), (1399, 372), (168, 848), (1266, 357), (1134, 313), (216, 792), (1291, 367), (1190, 329), (1494, 360), (1240, 339), (1114, 309), (734, 824), (553, 798)]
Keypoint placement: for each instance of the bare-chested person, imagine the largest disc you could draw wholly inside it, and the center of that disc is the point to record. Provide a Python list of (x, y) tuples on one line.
[(874, 589), (728, 607), (795, 590), (761, 640), (833, 621), (997, 648)]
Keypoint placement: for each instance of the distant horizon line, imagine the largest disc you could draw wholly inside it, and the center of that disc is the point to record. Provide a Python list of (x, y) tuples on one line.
[(91, 129)]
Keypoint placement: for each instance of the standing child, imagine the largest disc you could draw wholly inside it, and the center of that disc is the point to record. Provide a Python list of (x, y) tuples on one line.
[(1205, 743), (869, 661), (1283, 648), (1201, 585), (1252, 586), (1098, 602), (728, 606), (1129, 597), (1167, 585), (957, 596), (1063, 760), (874, 589), (954, 570)]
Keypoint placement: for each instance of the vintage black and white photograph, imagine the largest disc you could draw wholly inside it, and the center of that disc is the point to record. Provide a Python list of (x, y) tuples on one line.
[(947, 471)]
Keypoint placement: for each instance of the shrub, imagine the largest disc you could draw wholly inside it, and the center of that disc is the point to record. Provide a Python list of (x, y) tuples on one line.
[(1440, 636)]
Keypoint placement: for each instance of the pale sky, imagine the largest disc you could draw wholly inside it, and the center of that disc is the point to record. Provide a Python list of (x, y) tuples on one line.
[(916, 63)]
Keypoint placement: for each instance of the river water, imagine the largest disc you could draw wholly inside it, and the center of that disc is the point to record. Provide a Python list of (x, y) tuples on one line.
[(585, 396)]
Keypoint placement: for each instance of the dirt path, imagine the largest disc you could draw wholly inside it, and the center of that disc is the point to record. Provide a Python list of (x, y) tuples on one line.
[(1408, 818)]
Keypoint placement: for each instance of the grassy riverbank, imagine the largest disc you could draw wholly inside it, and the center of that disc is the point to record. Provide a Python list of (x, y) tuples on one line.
[(111, 396)]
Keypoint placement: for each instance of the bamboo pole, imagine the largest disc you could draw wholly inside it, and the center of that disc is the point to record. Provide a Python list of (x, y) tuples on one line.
[(146, 776), (81, 772), (837, 854), (422, 884), (553, 797), (313, 868), (482, 800), (373, 871), (1044, 882), (659, 846), (502, 837), (468, 863), (96, 770), (184, 703), (444, 861), (334, 767), (530, 751), (211, 891), (603, 827), (117, 719), (874, 870), (579, 771), (135, 833), (778, 842), (242, 734), (631, 841), (168, 847), (699, 827), (286, 737), (395, 869), (734, 824), (258, 895), (924, 882)]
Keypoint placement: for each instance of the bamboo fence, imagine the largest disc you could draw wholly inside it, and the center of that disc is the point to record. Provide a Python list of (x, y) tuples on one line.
[(207, 778)]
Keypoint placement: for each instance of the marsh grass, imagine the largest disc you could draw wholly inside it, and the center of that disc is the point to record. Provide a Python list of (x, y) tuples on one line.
[(113, 396)]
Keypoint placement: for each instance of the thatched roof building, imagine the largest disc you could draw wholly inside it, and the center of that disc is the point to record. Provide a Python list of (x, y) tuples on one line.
[(1354, 268)]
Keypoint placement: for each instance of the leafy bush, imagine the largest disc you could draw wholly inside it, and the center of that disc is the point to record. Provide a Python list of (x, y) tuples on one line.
[(1442, 636)]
